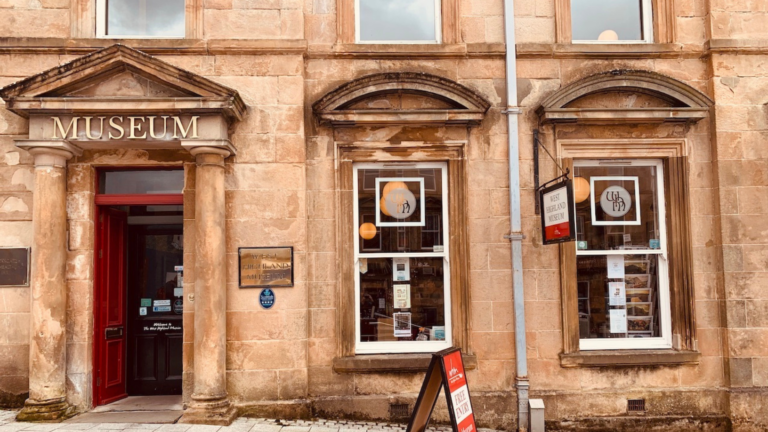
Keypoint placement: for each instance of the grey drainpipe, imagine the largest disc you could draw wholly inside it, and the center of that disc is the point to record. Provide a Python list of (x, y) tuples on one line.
[(516, 235)]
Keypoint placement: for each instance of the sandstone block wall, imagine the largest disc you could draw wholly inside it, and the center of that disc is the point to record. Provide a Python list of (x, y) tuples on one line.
[(16, 183), (281, 191)]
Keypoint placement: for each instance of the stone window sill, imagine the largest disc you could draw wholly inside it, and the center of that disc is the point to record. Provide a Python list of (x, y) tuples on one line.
[(640, 50), (620, 358), (392, 363)]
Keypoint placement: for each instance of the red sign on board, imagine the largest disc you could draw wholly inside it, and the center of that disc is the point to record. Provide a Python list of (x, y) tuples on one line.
[(446, 371), (557, 221), (460, 404)]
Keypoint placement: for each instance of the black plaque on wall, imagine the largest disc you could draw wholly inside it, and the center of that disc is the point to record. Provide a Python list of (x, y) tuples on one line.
[(14, 267)]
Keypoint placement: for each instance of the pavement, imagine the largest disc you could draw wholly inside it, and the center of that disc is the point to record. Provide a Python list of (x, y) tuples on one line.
[(242, 424)]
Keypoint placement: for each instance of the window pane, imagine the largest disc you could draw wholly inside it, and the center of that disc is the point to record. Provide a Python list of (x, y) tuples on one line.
[(145, 18), (141, 182), (607, 20), (402, 310), (397, 20), (616, 186), (618, 307), (425, 238)]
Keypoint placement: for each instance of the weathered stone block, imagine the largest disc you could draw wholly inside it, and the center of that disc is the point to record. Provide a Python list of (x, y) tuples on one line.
[(292, 384)]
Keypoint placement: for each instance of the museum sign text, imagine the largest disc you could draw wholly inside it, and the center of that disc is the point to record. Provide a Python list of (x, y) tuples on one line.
[(125, 127)]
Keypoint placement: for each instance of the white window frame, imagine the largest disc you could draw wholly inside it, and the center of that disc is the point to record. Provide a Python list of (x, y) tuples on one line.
[(101, 25), (646, 21), (438, 29), (402, 347), (665, 313)]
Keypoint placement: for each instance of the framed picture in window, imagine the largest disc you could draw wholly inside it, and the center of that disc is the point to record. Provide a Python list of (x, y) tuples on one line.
[(615, 200), (400, 202)]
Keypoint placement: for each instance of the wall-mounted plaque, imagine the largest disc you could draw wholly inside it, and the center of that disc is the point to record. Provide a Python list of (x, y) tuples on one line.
[(14, 267), (266, 267)]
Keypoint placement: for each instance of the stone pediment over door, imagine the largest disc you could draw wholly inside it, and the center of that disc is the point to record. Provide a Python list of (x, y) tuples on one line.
[(119, 97)]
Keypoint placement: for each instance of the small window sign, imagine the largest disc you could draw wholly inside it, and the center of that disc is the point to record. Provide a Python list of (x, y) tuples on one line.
[(557, 221), (14, 267)]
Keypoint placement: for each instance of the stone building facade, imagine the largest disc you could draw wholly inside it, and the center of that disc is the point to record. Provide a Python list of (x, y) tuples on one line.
[(278, 117)]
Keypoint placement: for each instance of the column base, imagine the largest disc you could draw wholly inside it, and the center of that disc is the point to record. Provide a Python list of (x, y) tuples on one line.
[(51, 411), (209, 411)]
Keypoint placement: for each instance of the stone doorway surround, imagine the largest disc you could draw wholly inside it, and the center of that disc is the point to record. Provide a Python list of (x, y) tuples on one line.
[(124, 87)]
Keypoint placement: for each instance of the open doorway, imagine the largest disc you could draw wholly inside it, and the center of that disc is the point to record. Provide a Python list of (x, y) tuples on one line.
[(138, 293)]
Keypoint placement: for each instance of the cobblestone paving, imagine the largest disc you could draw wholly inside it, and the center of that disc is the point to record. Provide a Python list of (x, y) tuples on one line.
[(9, 424)]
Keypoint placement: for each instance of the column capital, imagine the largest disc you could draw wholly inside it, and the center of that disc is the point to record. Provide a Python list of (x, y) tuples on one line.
[(50, 152), (221, 147)]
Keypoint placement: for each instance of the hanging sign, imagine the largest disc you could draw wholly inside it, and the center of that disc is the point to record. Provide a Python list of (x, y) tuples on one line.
[(557, 221), (14, 267), (264, 267), (446, 370)]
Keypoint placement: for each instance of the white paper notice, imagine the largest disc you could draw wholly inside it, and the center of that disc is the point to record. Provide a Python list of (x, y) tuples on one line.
[(402, 324), (401, 269), (617, 293), (618, 320), (402, 296), (615, 266)]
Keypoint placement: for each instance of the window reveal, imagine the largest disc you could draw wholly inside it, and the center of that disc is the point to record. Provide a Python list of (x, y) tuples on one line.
[(403, 277)]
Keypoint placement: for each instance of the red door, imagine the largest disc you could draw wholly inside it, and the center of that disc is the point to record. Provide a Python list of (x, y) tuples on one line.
[(109, 311)]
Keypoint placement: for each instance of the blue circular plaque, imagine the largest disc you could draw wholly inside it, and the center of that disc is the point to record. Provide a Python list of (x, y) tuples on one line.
[(267, 298)]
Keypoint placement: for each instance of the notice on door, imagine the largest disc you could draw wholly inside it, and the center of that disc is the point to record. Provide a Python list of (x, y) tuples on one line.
[(162, 327)]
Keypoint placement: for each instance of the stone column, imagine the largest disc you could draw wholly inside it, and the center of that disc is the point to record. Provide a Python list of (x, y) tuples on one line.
[(210, 402), (48, 316)]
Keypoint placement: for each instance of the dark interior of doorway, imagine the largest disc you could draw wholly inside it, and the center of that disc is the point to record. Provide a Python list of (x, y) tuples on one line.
[(139, 280), (155, 300)]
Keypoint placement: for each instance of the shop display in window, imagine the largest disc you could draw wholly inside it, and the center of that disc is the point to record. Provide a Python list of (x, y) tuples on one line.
[(403, 272), (621, 267)]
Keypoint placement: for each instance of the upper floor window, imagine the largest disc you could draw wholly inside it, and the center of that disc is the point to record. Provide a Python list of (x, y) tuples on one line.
[(140, 18), (398, 21), (611, 21)]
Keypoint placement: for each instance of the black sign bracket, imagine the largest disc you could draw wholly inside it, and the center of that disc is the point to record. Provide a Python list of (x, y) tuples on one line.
[(536, 187)]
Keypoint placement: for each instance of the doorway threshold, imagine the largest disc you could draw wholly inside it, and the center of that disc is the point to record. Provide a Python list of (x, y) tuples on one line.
[(135, 409)]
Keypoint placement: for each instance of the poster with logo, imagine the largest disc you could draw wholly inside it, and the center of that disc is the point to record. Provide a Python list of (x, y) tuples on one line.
[(615, 200), (400, 202), (557, 221), (446, 372), (402, 296)]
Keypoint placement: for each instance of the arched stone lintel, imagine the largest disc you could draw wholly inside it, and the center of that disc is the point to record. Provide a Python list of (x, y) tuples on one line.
[(690, 105), (470, 107)]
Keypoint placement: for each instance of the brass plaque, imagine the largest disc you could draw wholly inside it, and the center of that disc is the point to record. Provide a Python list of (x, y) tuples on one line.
[(14, 266), (266, 267)]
